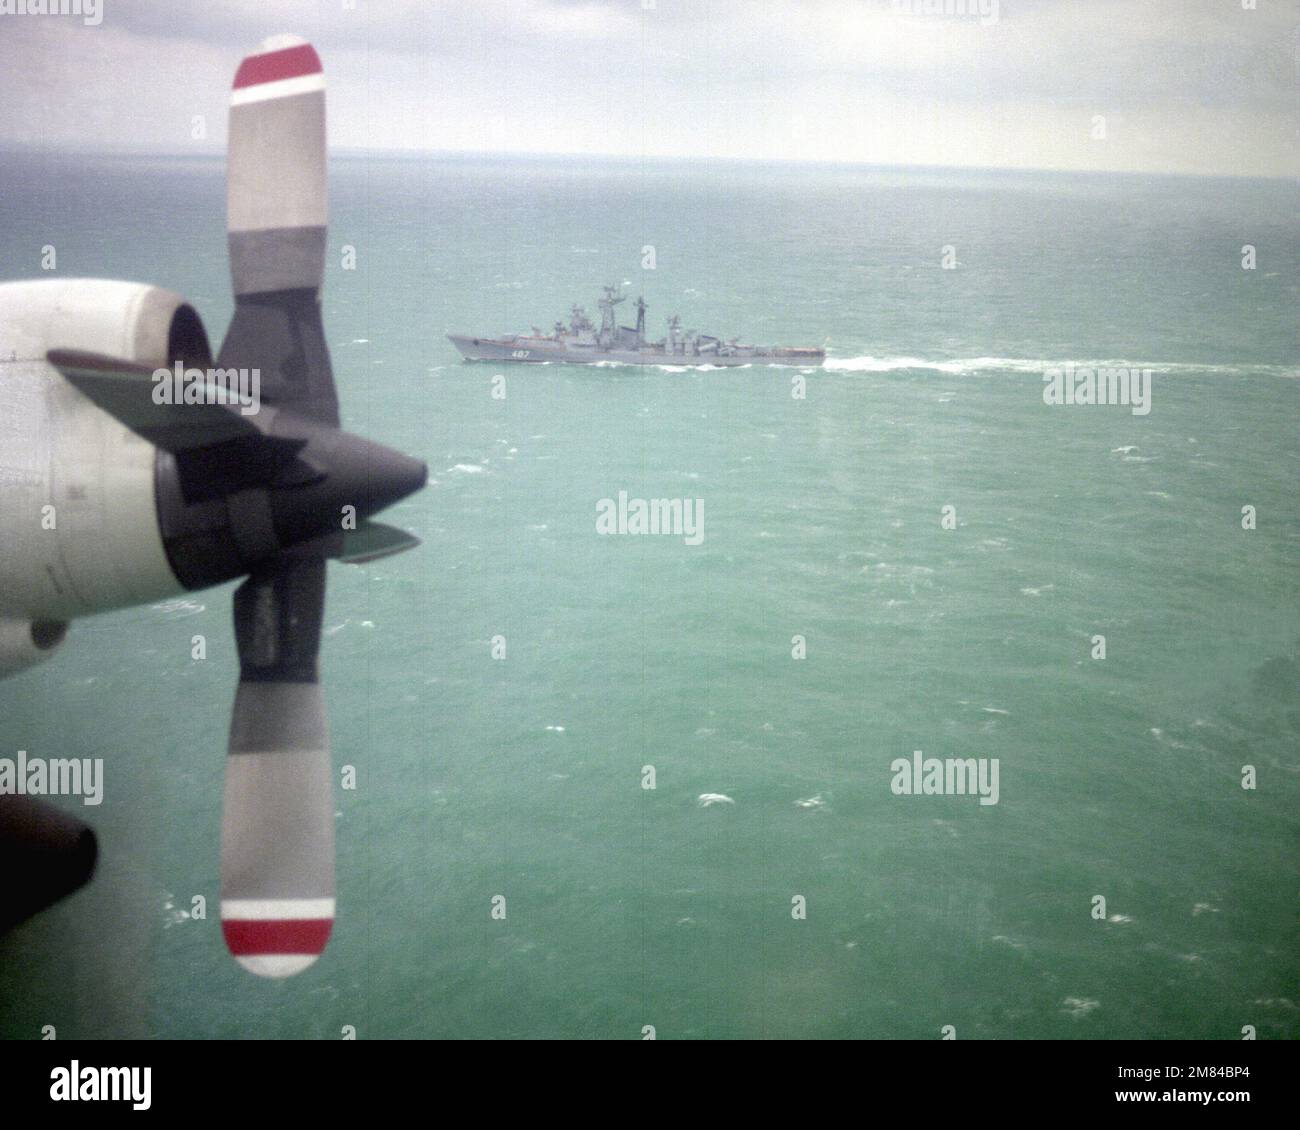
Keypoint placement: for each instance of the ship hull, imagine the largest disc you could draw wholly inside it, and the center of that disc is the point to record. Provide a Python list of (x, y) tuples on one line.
[(542, 351)]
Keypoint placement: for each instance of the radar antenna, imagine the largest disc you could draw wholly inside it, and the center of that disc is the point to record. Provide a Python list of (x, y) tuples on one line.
[(608, 323), (674, 332)]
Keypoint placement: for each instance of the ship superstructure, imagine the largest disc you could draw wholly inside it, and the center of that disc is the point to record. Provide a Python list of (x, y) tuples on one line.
[(582, 342)]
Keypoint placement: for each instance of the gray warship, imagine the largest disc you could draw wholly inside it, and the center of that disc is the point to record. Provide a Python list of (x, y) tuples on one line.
[(582, 343)]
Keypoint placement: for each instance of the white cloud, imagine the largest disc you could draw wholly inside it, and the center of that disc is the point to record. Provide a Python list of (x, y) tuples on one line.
[(1201, 86)]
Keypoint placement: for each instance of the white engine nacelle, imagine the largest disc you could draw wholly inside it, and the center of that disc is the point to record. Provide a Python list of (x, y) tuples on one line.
[(133, 321), (26, 643), (78, 511)]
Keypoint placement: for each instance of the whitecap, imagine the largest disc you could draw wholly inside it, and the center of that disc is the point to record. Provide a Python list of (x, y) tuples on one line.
[(1079, 1006), (172, 914)]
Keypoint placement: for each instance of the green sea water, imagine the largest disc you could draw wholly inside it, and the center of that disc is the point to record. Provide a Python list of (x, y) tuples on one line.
[(522, 776)]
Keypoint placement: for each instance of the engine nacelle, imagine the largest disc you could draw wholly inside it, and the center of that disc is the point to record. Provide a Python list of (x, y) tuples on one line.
[(132, 321), (78, 505), (25, 643)]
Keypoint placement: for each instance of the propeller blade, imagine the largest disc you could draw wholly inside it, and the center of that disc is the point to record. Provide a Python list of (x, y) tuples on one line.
[(275, 176), (373, 541), (275, 219), (277, 836), (125, 390)]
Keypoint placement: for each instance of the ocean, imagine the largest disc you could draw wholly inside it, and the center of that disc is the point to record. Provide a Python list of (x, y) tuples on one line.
[(945, 545)]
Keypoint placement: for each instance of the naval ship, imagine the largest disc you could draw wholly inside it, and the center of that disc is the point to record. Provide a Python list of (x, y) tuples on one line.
[(581, 343)]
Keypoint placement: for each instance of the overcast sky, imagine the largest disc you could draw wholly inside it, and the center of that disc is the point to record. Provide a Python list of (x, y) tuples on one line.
[(1200, 86)]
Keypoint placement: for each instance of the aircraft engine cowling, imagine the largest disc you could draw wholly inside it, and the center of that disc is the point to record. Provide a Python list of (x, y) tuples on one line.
[(133, 321), (78, 506), (25, 643)]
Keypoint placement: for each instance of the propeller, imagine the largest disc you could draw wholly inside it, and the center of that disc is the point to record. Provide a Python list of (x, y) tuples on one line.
[(277, 853), (271, 497)]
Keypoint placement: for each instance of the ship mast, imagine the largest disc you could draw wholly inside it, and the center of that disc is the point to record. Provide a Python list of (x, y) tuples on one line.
[(640, 322), (608, 323)]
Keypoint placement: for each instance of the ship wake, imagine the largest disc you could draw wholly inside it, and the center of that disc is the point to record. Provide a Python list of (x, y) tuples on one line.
[(972, 366)]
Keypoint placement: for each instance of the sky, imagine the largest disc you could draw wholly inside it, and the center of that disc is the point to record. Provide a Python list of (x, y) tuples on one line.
[(1181, 86)]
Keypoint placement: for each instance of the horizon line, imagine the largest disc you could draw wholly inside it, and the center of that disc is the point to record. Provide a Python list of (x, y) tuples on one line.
[(362, 152)]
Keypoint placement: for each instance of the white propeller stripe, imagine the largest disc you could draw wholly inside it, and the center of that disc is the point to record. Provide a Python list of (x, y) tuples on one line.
[(280, 88), (277, 964), (276, 909)]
